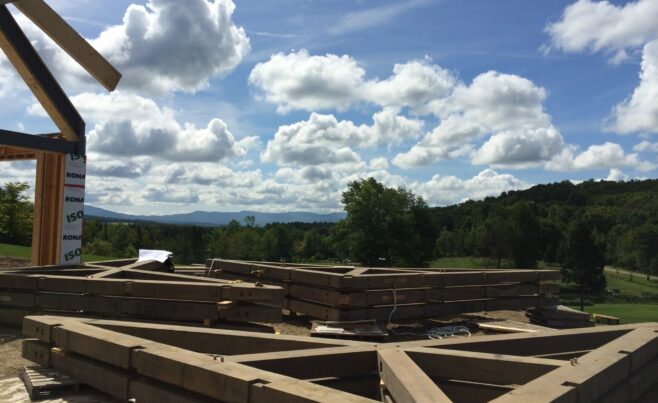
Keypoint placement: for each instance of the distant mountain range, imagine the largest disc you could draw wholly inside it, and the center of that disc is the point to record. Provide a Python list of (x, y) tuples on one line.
[(215, 218)]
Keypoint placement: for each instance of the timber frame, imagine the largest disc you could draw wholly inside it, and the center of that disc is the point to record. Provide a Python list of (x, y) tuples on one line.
[(49, 150), (155, 362), (134, 290), (348, 293)]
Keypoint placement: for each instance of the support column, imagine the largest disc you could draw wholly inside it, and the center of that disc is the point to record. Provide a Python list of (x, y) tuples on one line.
[(48, 201)]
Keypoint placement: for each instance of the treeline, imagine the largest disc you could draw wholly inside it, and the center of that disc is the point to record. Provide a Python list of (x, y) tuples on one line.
[(194, 244), (581, 227), (620, 219)]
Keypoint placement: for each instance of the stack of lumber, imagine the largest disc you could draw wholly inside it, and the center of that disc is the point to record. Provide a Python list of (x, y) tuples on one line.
[(559, 317), (128, 291), (345, 293)]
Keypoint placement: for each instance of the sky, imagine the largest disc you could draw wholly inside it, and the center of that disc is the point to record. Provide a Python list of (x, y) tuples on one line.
[(276, 105)]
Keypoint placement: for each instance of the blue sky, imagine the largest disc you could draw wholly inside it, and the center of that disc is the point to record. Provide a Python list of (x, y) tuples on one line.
[(277, 105)]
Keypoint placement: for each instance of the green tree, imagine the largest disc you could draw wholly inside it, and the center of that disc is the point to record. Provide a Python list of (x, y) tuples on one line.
[(383, 224), (583, 260), (15, 214), (524, 235)]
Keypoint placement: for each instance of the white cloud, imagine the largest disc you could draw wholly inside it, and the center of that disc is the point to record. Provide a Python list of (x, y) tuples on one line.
[(322, 139), (508, 108), (607, 155), (520, 147), (616, 175), (378, 163), (601, 26), (301, 81), (132, 168), (373, 17), (646, 146), (412, 84), (127, 124), (443, 190), (162, 47), (167, 46), (639, 113)]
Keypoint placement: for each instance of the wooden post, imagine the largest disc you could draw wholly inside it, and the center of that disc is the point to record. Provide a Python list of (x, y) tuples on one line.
[(48, 200)]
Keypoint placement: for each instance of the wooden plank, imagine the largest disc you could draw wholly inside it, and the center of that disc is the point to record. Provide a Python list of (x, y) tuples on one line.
[(405, 380), (16, 154), (100, 344), (70, 41), (34, 72)]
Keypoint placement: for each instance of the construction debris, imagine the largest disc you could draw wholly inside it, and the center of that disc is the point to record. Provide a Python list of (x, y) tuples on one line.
[(510, 326), (42, 383), (559, 317), (361, 330), (347, 293)]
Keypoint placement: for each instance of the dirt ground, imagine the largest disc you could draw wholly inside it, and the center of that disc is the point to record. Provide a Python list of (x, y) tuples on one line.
[(9, 262)]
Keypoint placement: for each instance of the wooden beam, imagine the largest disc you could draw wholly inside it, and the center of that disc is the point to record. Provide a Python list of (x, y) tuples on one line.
[(16, 154), (70, 41), (35, 73), (407, 382), (48, 200), (36, 142)]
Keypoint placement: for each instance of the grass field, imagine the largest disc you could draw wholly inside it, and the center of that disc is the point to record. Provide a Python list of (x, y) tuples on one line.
[(26, 252), (627, 313), (465, 262)]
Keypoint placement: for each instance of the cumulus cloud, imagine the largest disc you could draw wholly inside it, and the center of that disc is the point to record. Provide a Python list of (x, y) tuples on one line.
[(508, 108), (442, 190), (127, 124), (606, 155), (589, 26), (646, 146), (119, 169), (161, 47), (164, 47), (639, 113), (322, 139), (616, 175), (300, 81), (596, 26), (520, 147)]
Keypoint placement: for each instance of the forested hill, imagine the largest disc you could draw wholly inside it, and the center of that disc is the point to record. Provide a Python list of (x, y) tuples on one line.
[(621, 217), (586, 193)]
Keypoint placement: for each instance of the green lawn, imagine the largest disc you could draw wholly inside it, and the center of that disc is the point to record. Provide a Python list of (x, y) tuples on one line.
[(638, 286), (26, 252), (627, 313)]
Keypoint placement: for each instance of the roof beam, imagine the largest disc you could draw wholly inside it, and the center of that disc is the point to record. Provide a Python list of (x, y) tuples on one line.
[(70, 41), (35, 73), (36, 142)]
